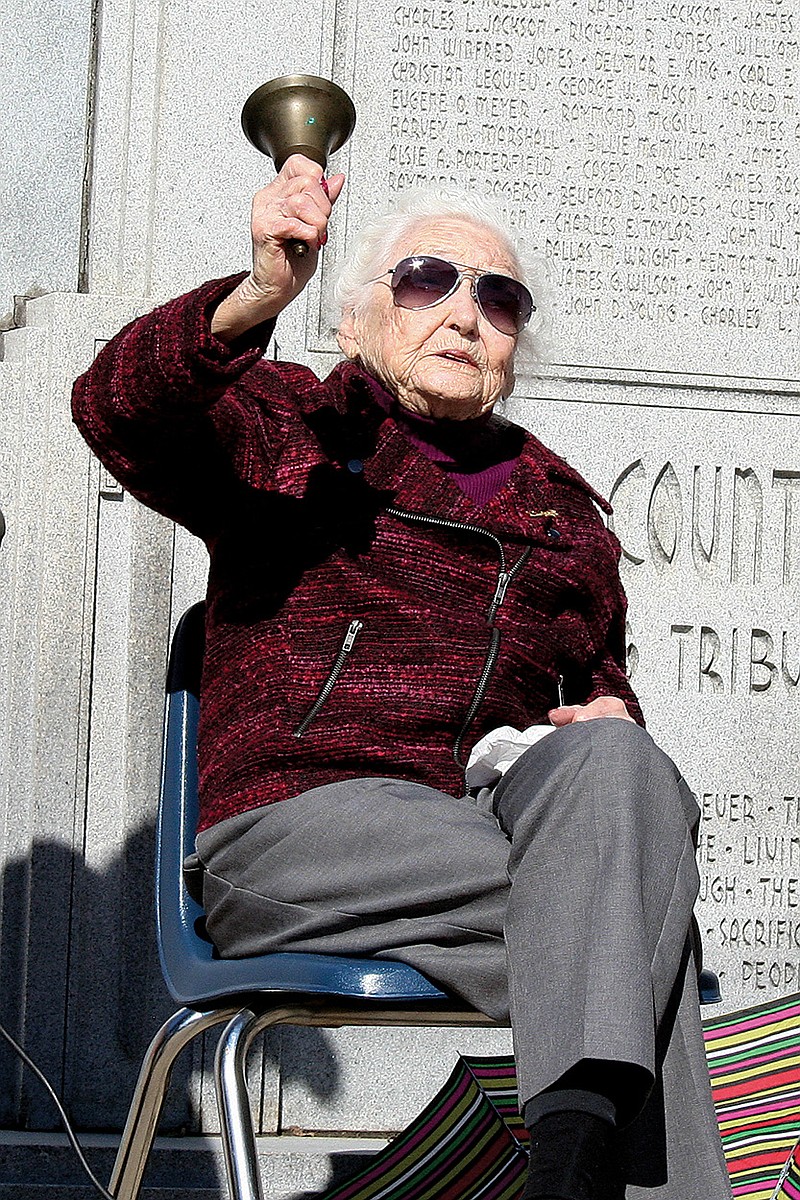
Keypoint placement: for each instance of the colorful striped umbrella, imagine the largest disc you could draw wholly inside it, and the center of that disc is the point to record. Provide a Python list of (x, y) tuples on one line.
[(460, 1145), (754, 1060), (469, 1142), (788, 1185)]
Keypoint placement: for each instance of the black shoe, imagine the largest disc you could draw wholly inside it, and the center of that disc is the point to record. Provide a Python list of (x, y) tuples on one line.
[(573, 1157)]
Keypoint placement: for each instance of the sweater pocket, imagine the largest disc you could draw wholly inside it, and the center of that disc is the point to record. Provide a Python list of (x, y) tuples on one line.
[(337, 666)]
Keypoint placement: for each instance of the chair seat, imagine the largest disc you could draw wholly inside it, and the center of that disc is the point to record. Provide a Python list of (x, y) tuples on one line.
[(195, 982)]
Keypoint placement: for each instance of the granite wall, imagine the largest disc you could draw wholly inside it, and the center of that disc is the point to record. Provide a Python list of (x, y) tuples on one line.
[(651, 155)]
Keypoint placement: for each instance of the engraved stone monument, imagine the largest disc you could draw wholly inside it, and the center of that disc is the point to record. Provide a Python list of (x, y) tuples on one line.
[(652, 158), (649, 154)]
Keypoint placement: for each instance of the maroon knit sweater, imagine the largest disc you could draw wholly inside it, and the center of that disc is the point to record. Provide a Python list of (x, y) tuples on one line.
[(364, 617), (478, 454)]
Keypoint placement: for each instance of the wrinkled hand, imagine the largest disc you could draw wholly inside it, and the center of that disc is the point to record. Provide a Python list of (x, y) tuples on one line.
[(603, 706), (295, 206)]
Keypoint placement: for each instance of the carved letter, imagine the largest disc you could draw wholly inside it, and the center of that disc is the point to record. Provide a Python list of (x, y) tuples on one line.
[(665, 516), (734, 657), (702, 557), (681, 632), (631, 651), (709, 655), (637, 469), (746, 550), (788, 480), (758, 658), (790, 679)]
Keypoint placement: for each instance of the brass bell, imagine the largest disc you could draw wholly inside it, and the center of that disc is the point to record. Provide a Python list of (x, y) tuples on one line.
[(298, 114)]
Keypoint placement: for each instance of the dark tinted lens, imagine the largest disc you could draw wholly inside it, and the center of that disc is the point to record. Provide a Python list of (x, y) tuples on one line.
[(422, 281), (505, 302)]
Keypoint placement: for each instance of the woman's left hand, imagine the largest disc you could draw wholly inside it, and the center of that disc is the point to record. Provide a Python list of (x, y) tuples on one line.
[(603, 706)]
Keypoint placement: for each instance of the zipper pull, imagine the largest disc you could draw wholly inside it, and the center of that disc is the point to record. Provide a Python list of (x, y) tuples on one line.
[(503, 580), (560, 686), (352, 633)]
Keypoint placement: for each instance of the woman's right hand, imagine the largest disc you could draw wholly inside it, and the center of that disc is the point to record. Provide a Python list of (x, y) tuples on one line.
[(294, 207)]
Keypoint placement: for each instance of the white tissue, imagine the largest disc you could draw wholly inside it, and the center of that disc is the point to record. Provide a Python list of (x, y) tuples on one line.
[(498, 750)]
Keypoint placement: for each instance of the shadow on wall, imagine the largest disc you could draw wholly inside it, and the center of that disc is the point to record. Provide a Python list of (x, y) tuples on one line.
[(81, 990)]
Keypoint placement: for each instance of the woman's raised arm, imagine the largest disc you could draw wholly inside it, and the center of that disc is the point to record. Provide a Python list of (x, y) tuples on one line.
[(294, 207)]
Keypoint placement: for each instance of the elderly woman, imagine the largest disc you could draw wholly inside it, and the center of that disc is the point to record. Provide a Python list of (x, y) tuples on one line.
[(394, 571)]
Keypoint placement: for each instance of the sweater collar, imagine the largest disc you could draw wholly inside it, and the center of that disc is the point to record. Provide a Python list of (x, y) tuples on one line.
[(378, 445)]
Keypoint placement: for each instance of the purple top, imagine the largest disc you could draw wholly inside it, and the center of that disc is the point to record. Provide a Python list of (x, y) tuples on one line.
[(478, 454)]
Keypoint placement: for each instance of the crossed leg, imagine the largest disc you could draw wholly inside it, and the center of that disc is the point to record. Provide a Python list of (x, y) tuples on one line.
[(571, 908)]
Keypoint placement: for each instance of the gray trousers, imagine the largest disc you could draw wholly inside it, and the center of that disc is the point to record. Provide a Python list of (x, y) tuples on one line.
[(564, 901)]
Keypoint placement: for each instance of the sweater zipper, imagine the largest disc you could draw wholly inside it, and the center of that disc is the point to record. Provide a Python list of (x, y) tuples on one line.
[(480, 692), (504, 578), (353, 630), (447, 523)]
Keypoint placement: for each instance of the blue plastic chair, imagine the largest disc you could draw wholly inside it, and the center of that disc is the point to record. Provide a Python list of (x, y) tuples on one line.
[(246, 995)]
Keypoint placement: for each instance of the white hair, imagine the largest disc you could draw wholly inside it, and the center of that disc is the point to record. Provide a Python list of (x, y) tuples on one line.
[(375, 248)]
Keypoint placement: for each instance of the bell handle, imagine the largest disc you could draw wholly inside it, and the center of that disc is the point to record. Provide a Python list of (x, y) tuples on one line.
[(298, 248)]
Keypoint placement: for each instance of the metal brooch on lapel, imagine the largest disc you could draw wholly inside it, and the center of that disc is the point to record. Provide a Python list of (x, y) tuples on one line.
[(550, 529)]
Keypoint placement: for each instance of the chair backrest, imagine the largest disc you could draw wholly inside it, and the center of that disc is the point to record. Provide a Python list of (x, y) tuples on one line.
[(177, 914)]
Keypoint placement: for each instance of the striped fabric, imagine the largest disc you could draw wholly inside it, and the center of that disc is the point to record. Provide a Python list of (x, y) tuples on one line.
[(754, 1060), (459, 1146), (498, 1079), (788, 1186), (469, 1143)]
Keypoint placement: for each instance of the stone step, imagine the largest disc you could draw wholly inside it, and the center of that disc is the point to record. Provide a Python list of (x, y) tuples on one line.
[(35, 1166)]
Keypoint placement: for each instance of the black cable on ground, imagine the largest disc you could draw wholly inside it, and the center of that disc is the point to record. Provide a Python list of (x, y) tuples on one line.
[(64, 1118)]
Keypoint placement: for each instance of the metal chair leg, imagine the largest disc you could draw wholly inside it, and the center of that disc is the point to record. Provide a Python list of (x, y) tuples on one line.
[(236, 1121), (148, 1096)]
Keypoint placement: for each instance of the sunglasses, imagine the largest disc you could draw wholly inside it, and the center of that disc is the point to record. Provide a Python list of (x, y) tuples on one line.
[(423, 280)]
